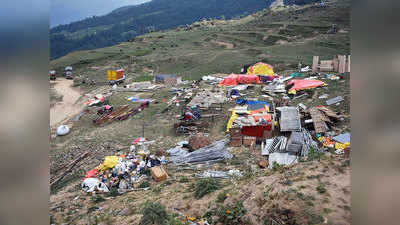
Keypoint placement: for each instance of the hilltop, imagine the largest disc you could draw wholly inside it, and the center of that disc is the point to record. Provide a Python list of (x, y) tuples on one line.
[(130, 21)]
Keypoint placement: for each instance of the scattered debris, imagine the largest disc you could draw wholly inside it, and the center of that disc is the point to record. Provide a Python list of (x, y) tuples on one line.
[(62, 130), (212, 153), (290, 119), (219, 174), (335, 100)]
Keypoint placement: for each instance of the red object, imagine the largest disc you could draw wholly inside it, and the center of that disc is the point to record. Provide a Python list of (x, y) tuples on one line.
[(305, 84), (92, 173), (255, 131), (235, 79), (120, 74)]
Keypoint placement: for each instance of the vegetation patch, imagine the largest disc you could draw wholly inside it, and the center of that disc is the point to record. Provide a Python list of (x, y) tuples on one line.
[(206, 186)]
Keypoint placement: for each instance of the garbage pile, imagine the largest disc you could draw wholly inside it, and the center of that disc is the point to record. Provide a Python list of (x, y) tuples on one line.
[(124, 171)]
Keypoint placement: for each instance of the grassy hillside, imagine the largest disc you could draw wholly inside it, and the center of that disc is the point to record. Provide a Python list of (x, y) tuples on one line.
[(127, 22), (278, 37)]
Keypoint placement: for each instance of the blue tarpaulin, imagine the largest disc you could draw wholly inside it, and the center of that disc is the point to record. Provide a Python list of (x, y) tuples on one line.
[(256, 104)]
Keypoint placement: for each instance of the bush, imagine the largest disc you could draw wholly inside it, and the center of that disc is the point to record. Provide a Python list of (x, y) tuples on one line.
[(222, 196), (206, 186), (154, 213), (321, 188), (231, 214), (145, 184)]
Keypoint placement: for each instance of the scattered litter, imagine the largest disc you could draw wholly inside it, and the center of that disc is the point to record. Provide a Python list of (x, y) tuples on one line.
[(212, 153), (62, 130), (342, 138), (323, 96), (290, 119), (93, 184), (334, 100), (219, 174), (301, 105), (281, 159)]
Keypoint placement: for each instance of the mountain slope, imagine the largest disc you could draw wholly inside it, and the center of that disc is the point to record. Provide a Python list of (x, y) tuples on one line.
[(128, 22)]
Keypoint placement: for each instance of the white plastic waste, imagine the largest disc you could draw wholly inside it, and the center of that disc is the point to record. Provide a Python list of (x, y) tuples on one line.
[(91, 184), (281, 159), (62, 130)]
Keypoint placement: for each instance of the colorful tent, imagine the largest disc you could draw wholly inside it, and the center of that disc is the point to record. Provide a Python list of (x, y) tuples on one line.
[(261, 69), (303, 85), (235, 79)]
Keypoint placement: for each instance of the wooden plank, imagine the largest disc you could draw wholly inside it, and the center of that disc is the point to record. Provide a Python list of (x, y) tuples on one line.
[(342, 63), (348, 64), (315, 64), (336, 63)]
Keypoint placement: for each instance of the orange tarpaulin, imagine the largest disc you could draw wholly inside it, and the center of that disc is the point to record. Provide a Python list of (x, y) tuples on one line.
[(235, 79), (304, 84)]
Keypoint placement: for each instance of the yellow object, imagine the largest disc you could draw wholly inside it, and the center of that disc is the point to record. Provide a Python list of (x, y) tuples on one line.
[(111, 75), (261, 69), (228, 195), (228, 212), (109, 162), (231, 120), (341, 146), (191, 218)]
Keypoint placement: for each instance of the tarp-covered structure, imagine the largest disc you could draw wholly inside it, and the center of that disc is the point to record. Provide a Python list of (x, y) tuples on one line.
[(261, 69), (299, 85), (235, 79), (254, 120)]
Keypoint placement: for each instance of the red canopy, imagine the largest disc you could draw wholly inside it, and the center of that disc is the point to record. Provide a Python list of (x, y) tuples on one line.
[(235, 79)]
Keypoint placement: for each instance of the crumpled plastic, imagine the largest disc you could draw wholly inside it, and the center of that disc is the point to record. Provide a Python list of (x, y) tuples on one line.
[(93, 184), (109, 163)]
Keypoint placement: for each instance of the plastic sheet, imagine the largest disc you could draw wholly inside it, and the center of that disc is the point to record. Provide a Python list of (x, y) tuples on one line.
[(281, 159), (211, 153)]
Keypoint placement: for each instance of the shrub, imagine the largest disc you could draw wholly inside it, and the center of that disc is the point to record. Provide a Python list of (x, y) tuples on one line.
[(154, 213), (145, 184), (321, 189), (206, 186), (231, 214)]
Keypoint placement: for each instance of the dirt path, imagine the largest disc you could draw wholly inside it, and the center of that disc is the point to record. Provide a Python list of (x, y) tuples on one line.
[(68, 107)]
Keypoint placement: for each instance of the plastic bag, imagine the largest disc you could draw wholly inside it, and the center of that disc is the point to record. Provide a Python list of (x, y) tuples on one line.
[(62, 130)]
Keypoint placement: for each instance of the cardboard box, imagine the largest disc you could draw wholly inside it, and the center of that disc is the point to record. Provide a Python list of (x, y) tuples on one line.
[(158, 173)]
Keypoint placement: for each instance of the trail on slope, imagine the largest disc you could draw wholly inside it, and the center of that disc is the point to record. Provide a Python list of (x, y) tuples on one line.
[(69, 106)]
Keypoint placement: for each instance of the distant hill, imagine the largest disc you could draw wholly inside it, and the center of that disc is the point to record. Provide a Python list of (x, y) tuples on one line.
[(130, 21)]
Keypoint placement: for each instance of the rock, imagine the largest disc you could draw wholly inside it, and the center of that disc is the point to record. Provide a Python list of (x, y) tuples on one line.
[(263, 163)]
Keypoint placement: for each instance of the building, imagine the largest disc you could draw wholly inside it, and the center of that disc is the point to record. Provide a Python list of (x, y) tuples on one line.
[(169, 79)]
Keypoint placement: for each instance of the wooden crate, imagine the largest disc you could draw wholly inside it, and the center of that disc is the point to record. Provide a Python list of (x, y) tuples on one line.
[(158, 173), (248, 141)]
